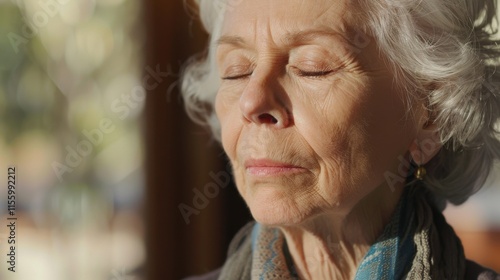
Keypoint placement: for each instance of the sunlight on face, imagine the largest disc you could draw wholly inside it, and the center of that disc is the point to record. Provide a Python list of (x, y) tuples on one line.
[(310, 117)]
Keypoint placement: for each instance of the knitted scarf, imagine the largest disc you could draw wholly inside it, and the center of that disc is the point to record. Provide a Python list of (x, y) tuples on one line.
[(416, 244)]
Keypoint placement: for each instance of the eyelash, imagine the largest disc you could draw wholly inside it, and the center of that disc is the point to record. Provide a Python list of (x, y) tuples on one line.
[(236, 77), (315, 74), (301, 73)]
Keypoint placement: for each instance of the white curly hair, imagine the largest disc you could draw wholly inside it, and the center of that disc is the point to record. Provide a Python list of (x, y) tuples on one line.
[(445, 50)]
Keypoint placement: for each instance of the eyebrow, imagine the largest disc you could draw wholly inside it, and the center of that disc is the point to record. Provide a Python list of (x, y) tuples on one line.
[(293, 38), (231, 40), (307, 36)]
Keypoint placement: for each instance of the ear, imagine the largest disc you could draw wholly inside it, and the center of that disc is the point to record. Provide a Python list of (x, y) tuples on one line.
[(427, 143)]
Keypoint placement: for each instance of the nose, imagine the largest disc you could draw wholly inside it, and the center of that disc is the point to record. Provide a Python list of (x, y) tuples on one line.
[(264, 102)]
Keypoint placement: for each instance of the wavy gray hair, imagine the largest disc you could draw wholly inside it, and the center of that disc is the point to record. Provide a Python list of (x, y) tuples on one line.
[(443, 49)]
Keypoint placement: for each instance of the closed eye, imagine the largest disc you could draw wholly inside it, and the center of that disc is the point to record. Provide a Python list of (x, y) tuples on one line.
[(236, 77), (314, 73)]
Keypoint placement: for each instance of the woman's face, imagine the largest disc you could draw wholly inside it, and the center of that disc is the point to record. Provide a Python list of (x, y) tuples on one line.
[(311, 119)]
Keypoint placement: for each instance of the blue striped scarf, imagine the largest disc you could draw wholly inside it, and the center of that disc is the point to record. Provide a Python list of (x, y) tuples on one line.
[(392, 256)]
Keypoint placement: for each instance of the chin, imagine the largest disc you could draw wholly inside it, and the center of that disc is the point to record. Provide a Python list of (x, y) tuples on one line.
[(274, 219), (277, 211)]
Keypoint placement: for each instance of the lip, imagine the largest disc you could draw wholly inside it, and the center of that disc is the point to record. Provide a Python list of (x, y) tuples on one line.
[(268, 167)]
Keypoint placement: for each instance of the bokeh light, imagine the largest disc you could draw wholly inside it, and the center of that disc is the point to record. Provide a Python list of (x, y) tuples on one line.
[(66, 66)]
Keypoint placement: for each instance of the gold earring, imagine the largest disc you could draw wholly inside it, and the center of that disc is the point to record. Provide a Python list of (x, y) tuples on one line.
[(420, 173)]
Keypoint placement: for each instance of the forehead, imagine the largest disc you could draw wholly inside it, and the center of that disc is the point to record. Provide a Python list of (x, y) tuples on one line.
[(263, 20)]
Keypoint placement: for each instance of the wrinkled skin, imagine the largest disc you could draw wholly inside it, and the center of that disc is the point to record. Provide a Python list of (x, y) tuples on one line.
[(299, 87)]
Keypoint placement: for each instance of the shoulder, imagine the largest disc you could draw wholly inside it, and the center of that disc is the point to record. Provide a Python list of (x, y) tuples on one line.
[(475, 271), (236, 243)]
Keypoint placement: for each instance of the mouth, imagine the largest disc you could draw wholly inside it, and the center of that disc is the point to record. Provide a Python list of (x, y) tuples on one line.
[(268, 167)]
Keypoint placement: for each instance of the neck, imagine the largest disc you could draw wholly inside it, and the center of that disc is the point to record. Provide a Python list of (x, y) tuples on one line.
[(332, 246)]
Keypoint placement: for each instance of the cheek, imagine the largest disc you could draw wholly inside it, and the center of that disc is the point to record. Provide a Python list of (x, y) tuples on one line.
[(352, 131), (230, 121), (333, 124), (331, 117)]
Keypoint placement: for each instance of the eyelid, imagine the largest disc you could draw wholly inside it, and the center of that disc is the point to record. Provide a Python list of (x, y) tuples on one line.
[(315, 58), (237, 71), (234, 61), (320, 63), (236, 77), (315, 72)]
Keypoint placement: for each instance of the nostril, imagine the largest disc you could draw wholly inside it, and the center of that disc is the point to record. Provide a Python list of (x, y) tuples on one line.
[(267, 118)]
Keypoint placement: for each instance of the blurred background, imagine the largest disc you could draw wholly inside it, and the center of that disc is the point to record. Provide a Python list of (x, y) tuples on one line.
[(71, 98), (113, 181)]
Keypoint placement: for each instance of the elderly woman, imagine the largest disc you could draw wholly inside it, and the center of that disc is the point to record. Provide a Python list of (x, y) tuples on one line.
[(349, 124)]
